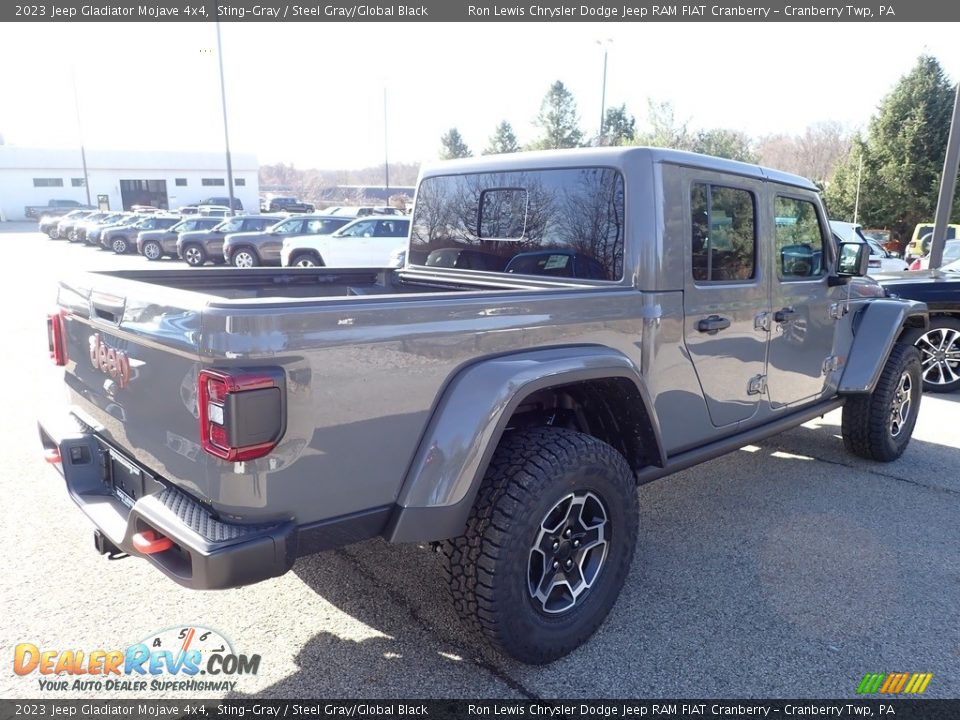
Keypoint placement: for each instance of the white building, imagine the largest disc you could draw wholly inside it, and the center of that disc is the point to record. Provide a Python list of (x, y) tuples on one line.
[(121, 178)]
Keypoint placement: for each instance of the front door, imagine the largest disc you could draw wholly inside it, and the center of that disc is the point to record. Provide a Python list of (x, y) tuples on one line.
[(726, 294), (802, 331)]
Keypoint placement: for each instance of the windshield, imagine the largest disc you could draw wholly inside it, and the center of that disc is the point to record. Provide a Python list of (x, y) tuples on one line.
[(232, 225), (287, 226)]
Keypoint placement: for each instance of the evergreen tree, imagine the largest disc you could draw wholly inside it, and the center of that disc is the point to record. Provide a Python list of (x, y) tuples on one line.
[(452, 145), (619, 126), (902, 155), (503, 140), (558, 120)]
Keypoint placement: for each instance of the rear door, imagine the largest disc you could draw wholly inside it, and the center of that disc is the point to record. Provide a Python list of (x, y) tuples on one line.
[(726, 293)]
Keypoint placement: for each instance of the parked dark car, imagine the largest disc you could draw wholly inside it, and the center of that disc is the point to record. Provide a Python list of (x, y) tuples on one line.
[(289, 204), (200, 246), (249, 249), (939, 345), (224, 201), (89, 231), (124, 239), (156, 244), (556, 263), (53, 208)]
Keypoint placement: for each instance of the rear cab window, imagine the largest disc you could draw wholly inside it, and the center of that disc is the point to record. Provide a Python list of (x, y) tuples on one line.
[(566, 222)]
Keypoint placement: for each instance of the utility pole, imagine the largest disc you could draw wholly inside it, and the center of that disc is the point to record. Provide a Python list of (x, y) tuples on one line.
[(223, 100), (83, 151), (948, 185), (386, 157)]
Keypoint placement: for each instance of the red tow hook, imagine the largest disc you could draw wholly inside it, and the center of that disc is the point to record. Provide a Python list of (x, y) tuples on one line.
[(148, 542), (52, 455)]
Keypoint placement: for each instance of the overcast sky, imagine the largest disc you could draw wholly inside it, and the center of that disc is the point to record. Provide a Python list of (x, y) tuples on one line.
[(313, 93)]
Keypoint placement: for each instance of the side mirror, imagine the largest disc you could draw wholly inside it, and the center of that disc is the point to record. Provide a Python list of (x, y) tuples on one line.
[(853, 259)]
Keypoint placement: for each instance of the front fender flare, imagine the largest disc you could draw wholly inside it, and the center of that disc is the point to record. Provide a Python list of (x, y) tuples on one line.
[(466, 426), (876, 330)]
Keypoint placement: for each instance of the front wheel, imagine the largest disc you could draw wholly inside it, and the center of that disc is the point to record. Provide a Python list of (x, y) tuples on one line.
[(152, 250), (939, 354), (878, 426), (120, 245), (194, 255), (305, 259), (548, 543), (244, 258)]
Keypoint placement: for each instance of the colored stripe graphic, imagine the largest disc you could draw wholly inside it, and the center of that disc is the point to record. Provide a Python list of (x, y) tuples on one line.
[(894, 683)]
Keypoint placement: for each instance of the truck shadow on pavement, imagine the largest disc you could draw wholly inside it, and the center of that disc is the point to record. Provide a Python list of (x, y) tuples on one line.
[(772, 571)]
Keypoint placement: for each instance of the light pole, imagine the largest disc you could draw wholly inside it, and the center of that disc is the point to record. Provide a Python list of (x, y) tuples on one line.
[(386, 157), (226, 134), (83, 151), (605, 44)]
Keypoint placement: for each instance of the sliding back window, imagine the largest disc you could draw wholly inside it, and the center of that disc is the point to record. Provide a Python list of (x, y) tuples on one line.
[(566, 223)]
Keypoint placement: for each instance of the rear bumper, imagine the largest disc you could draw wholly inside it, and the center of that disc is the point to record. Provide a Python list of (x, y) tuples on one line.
[(206, 554)]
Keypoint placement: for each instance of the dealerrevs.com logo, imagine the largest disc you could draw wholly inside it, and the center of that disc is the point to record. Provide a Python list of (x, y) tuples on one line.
[(191, 658)]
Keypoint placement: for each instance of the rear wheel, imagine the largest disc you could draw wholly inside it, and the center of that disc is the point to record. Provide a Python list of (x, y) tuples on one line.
[(548, 543), (193, 255), (939, 354), (152, 250), (120, 245), (878, 426), (305, 259), (244, 258)]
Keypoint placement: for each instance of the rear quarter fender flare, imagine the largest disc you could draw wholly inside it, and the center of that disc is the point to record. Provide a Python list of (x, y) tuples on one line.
[(471, 417)]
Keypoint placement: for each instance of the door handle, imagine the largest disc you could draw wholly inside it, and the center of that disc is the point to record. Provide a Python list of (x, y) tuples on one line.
[(713, 324), (785, 315)]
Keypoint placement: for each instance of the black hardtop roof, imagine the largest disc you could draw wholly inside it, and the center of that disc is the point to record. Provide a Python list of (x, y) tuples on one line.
[(616, 157)]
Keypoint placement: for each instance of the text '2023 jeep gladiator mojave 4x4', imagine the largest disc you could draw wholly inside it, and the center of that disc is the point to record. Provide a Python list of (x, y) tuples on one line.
[(224, 422)]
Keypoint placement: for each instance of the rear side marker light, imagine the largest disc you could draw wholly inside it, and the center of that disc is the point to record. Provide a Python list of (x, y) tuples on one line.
[(52, 456), (56, 338), (242, 412), (149, 543)]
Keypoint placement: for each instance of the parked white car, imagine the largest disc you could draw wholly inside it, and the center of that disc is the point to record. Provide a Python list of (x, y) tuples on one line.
[(951, 252), (880, 260), (366, 242)]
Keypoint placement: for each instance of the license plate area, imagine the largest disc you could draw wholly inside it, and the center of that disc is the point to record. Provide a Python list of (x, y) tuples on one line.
[(127, 479)]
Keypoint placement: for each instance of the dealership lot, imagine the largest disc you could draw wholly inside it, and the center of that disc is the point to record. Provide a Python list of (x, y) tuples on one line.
[(787, 569)]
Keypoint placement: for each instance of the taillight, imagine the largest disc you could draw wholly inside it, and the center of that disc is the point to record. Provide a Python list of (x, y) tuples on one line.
[(56, 338), (242, 412)]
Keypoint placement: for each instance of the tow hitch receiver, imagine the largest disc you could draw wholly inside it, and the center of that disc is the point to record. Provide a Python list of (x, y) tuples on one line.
[(104, 546)]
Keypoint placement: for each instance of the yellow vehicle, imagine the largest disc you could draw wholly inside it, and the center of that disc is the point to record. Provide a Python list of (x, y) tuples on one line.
[(917, 248)]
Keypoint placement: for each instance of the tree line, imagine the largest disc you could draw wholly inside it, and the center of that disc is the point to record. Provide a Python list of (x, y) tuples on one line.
[(887, 176)]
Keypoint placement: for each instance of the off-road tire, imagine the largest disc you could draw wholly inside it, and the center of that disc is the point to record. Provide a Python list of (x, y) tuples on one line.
[(867, 426), (937, 364), (489, 566)]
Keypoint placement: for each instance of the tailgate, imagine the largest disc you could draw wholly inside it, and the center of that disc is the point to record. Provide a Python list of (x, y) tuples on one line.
[(132, 369)]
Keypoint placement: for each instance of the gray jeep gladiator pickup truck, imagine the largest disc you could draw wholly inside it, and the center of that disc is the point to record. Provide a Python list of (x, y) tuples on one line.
[(224, 422)]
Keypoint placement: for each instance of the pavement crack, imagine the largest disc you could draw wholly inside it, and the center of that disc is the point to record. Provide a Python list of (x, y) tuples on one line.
[(891, 476), (401, 600)]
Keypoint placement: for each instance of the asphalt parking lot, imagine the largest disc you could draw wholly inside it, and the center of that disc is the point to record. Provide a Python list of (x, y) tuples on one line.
[(787, 569)]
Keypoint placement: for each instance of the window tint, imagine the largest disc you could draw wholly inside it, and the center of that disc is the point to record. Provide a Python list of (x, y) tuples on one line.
[(724, 233), (290, 226), (391, 228), (322, 226), (799, 239), (536, 221)]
